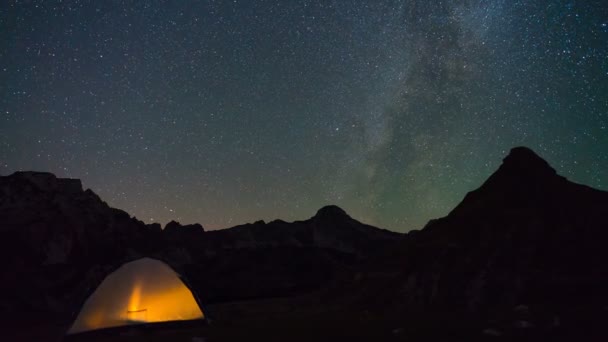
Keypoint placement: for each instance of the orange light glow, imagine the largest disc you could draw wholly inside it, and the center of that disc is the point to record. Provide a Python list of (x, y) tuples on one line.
[(143, 291), (135, 298)]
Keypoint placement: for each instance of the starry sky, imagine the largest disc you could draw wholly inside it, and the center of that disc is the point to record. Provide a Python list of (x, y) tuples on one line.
[(226, 112)]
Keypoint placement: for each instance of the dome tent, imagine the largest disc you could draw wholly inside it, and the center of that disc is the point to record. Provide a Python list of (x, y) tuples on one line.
[(139, 292)]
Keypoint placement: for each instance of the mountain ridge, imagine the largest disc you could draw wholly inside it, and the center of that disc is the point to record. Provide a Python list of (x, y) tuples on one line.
[(527, 237), (48, 223)]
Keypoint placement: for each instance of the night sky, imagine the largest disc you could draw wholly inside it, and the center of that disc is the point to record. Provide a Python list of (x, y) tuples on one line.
[(226, 112)]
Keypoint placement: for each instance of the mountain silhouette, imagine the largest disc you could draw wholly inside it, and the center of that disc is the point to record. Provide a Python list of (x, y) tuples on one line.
[(526, 250), (526, 182), (527, 237), (58, 241)]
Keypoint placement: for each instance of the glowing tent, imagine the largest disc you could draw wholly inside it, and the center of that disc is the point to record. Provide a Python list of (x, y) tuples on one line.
[(141, 291)]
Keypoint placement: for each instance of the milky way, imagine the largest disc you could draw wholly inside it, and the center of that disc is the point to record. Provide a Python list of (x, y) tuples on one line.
[(225, 112)]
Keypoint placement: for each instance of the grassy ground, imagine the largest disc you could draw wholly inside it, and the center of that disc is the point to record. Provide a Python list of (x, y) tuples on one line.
[(338, 326), (288, 319), (307, 319)]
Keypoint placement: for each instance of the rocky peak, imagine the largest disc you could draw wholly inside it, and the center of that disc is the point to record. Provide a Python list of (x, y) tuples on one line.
[(331, 213), (155, 227), (523, 181), (175, 226), (172, 225), (40, 191), (523, 162), (46, 181)]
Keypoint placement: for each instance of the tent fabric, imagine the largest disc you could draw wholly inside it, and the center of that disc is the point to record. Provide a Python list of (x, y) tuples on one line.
[(142, 291)]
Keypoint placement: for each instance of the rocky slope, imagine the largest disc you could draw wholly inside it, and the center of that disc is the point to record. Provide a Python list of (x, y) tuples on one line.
[(526, 240), (56, 240)]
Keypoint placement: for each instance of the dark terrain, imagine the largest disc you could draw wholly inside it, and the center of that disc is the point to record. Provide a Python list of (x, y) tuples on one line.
[(523, 257)]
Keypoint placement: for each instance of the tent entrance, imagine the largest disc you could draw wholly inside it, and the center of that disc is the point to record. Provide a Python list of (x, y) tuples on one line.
[(137, 315)]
